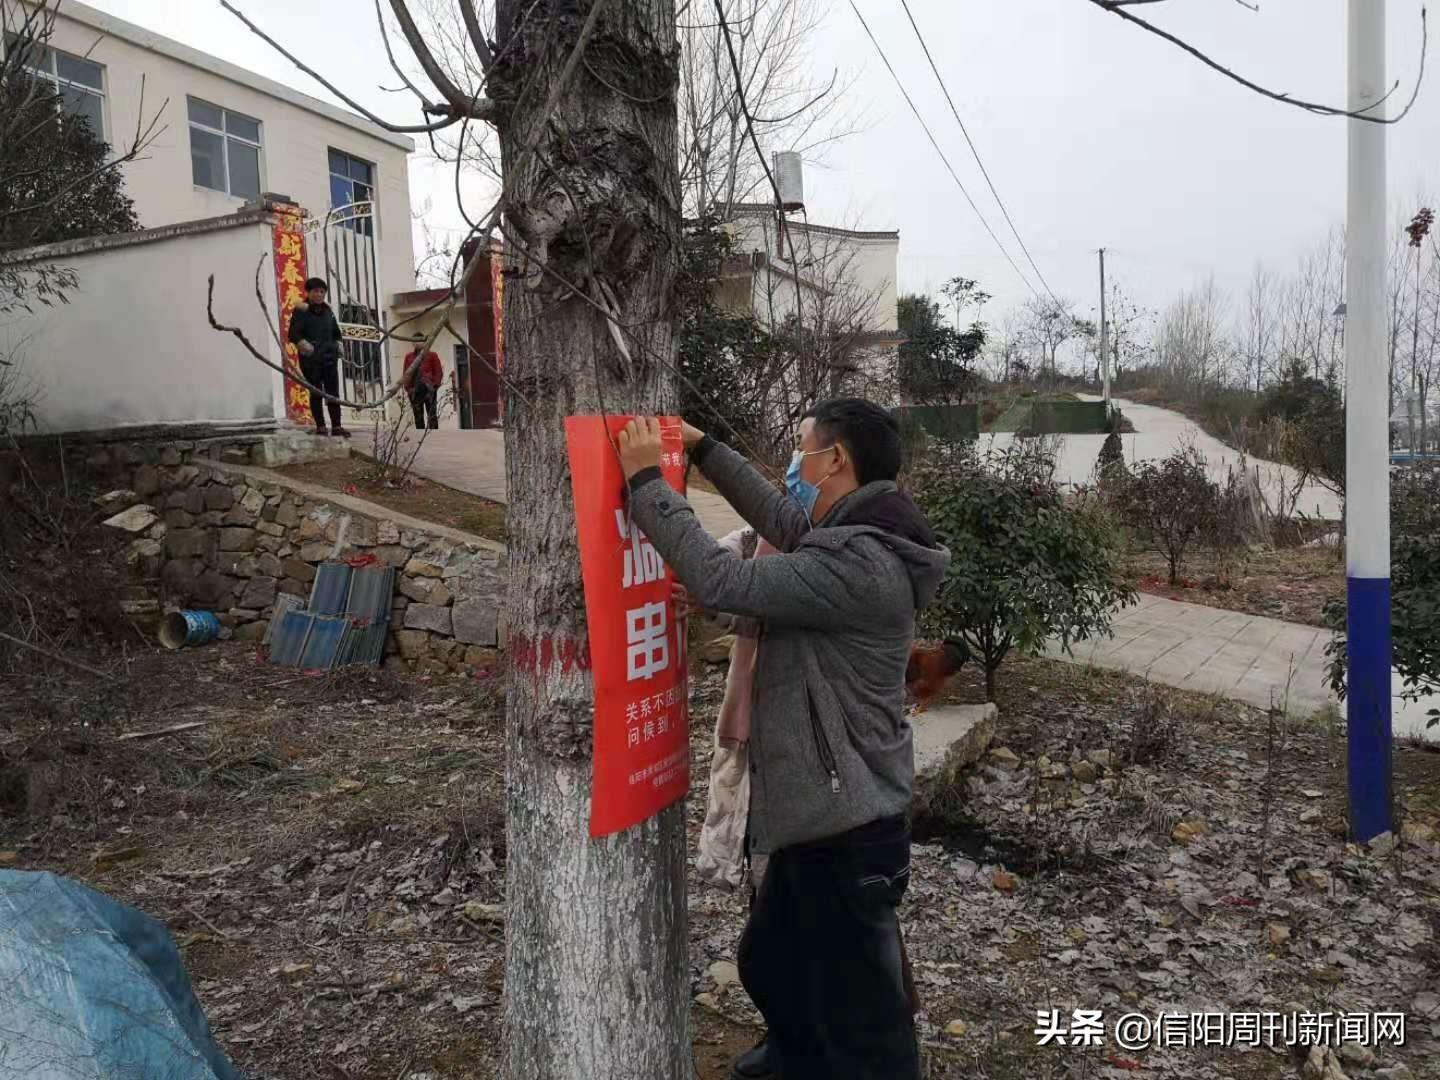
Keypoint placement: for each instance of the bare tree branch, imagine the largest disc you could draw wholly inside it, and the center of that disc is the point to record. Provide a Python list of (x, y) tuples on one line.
[(486, 229), (399, 129), (1117, 7), (834, 75), (240, 335), (477, 34), (461, 103), (425, 103)]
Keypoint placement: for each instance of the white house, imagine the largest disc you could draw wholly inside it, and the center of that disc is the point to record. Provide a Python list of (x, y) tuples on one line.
[(845, 288), (227, 137)]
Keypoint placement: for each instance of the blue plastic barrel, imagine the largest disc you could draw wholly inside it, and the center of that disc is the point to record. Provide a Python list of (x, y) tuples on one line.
[(180, 629)]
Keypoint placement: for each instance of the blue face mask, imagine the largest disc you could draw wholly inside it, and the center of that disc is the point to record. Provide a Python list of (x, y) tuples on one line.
[(804, 492)]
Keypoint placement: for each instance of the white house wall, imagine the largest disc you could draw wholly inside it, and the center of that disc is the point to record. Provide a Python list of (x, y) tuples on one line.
[(295, 138), (134, 346), (870, 265)]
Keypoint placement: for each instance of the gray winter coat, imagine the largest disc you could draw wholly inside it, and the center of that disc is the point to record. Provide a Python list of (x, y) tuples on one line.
[(830, 746)]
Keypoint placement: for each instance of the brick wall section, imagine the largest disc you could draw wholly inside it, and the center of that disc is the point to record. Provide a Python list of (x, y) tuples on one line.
[(228, 538)]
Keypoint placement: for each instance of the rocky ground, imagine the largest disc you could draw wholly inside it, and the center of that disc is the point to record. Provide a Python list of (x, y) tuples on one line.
[(329, 852)]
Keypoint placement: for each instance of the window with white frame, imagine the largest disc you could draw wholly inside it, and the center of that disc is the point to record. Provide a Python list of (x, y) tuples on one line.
[(352, 180), (79, 82), (224, 150)]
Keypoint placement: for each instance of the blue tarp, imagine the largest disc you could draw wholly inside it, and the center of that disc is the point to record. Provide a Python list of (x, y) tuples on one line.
[(93, 990)]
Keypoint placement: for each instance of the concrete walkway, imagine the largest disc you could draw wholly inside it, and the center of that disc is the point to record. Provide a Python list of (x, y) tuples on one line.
[(1244, 657), (474, 462)]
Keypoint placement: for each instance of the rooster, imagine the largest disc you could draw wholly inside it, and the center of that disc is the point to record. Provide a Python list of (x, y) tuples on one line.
[(931, 668)]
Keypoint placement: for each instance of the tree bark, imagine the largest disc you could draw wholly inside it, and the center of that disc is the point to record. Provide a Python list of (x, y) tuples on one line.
[(596, 965)]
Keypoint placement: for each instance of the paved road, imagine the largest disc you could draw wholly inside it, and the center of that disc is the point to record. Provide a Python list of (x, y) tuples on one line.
[(1158, 433), (1244, 657)]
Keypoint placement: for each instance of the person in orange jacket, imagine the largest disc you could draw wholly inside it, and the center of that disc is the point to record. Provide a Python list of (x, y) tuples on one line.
[(423, 376)]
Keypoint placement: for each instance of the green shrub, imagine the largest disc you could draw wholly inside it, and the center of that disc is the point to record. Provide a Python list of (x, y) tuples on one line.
[(1110, 465), (1025, 566), (1414, 589), (1170, 504)]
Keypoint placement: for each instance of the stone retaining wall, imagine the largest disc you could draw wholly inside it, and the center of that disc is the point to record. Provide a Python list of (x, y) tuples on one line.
[(230, 538)]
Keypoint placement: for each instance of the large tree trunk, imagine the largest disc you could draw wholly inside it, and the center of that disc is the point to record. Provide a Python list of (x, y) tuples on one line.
[(596, 971)]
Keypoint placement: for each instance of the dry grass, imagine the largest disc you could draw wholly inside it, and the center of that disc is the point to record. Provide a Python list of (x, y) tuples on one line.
[(1290, 583), (300, 846), (417, 497)]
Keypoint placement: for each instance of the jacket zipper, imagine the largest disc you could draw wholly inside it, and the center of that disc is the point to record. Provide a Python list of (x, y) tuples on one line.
[(822, 744)]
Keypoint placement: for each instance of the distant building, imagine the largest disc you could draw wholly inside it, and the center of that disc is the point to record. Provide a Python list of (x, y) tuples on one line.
[(845, 288), (229, 139), (469, 341)]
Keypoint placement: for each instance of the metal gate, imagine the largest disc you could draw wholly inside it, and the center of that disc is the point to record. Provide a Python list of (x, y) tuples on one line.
[(352, 271)]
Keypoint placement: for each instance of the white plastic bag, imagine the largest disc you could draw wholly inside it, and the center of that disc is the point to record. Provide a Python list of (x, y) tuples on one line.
[(721, 859)]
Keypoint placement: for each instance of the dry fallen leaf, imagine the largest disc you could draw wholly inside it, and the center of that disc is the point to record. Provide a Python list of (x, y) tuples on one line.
[(1003, 880), (1188, 831), (105, 860)]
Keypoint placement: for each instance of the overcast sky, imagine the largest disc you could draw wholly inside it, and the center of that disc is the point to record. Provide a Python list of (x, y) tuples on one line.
[(1094, 132)]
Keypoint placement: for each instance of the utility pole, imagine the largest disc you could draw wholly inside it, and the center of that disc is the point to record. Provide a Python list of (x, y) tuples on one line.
[(1367, 451), (1104, 337)]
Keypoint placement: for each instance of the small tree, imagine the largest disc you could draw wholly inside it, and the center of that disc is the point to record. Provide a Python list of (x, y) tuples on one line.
[(1414, 590), (59, 180), (1025, 567), (723, 354), (1170, 504), (1110, 465), (937, 361)]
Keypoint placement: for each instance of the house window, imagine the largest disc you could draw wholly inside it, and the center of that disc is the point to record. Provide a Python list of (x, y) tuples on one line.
[(79, 82), (352, 181), (224, 150)]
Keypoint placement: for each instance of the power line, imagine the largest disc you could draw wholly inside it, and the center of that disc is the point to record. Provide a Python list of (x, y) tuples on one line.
[(929, 134), (976, 153)]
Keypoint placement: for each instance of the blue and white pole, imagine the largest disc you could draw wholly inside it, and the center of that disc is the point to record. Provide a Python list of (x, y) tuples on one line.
[(1367, 446)]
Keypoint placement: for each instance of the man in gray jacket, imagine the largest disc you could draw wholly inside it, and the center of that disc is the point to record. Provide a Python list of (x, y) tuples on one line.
[(832, 761)]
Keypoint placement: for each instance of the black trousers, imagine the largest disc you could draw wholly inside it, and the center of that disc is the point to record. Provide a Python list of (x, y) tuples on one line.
[(325, 375), (821, 957), (425, 400)]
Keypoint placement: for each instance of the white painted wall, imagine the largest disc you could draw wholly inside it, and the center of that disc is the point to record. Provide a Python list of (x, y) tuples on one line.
[(869, 263), (296, 134), (134, 345)]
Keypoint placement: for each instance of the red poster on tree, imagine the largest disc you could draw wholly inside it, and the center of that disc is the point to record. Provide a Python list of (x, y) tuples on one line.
[(637, 642)]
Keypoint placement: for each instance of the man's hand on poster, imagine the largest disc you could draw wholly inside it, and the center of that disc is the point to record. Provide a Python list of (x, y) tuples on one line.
[(640, 444), (680, 597)]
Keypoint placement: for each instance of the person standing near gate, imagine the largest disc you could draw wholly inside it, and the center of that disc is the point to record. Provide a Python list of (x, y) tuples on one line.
[(315, 331), (423, 377)]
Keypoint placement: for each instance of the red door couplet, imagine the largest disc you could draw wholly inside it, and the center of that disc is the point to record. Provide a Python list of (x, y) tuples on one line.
[(637, 642)]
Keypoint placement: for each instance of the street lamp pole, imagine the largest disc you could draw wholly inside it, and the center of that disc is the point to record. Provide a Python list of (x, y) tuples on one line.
[(1367, 457)]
